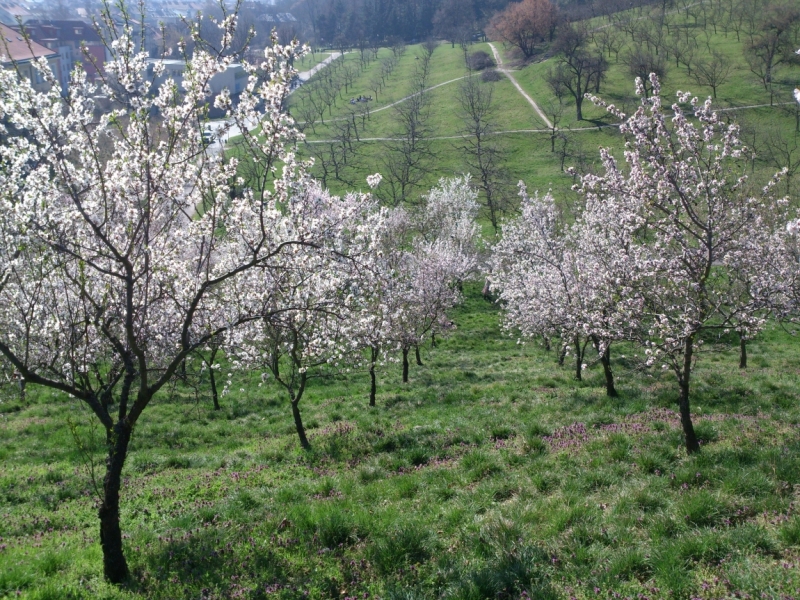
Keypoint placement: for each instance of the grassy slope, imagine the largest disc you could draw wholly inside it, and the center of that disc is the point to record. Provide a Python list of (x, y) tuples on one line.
[(529, 156), (450, 487)]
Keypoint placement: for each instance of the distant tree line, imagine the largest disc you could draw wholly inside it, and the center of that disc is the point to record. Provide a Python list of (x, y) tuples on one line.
[(330, 22)]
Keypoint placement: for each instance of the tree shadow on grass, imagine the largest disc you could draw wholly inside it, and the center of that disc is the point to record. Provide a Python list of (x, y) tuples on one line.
[(207, 560)]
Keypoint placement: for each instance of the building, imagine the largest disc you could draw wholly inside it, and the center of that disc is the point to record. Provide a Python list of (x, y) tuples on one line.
[(12, 12), (69, 39), (17, 52)]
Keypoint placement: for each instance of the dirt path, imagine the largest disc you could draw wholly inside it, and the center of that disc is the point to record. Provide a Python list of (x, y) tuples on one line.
[(508, 74)]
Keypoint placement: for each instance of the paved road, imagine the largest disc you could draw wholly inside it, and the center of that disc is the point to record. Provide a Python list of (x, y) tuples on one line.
[(306, 75), (216, 126)]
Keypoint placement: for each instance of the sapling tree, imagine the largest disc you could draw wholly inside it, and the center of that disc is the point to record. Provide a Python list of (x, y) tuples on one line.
[(310, 327), (422, 259), (427, 289), (125, 241), (577, 281)]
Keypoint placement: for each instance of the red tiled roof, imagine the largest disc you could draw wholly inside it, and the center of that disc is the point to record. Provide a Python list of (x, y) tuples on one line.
[(14, 47)]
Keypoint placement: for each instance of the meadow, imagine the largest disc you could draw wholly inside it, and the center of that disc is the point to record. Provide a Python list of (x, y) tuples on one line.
[(492, 474), (522, 134)]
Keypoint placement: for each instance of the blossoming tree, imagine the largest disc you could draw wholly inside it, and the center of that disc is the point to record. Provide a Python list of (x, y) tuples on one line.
[(316, 298), (703, 240), (567, 281), (126, 242)]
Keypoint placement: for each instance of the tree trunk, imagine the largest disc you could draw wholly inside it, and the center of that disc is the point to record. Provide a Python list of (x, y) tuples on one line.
[(578, 107), (683, 380), (405, 365), (562, 355), (578, 360), (213, 379), (115, 568), (417, 356), (605, 359), (742, 353), (373, 388), (22, 384), (298, 423), (275, 359)]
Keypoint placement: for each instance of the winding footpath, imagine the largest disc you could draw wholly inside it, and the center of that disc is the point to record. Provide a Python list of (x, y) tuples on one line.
[(508, 74)]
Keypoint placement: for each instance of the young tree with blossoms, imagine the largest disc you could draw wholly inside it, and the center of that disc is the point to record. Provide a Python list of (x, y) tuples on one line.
[(702, 239), (532, 272), (430, 268), (417, 267), (315, 314), (546, 280), (126, 243)]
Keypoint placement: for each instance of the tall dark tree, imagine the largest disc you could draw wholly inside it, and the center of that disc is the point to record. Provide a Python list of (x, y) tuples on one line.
[(481, 149), (454, 21), (578, 70)]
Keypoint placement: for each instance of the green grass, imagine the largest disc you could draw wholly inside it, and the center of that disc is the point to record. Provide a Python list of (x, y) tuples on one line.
[(528, 154), (465, 483), (310, 60)]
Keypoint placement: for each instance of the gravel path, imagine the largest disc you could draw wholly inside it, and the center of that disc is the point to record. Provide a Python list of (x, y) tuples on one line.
[(508, 74)]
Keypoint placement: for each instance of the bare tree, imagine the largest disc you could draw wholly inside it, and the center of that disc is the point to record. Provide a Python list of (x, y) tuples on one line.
[(554, 109), (429, 46), (684, 49), (782, 151), (482, 151), (609, 41), (525, 25), (713, 72), (454, 21), (775, 44), (376, 84), (577, 69), (409, 153), (641, 63), (349, 75)]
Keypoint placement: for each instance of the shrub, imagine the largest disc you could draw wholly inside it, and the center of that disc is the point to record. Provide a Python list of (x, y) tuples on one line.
[(480, 60), (490, 75)]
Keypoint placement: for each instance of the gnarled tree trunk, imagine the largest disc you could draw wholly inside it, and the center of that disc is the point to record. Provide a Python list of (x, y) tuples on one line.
[(213, 380), (298, 423), (298, 420), (605, 360)]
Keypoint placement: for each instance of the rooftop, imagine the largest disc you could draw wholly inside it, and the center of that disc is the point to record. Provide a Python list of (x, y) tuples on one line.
[(62, 30), (14, 47)]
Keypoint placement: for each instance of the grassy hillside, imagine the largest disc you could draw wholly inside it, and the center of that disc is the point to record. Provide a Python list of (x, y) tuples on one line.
[(528, 153), (493, 474)]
